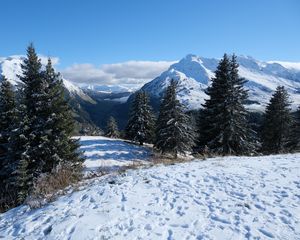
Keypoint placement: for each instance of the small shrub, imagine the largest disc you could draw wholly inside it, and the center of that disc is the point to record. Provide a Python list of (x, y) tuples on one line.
[(48, 186), (158, 158), (8, 198)]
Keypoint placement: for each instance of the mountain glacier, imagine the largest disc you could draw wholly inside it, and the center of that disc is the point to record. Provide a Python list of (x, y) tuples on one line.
[(194, 74)]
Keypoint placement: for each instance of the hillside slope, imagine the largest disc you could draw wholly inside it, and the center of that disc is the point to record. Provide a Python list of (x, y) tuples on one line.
[(220, 198)]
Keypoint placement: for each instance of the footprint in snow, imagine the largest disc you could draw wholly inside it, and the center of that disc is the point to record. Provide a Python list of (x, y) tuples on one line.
[(218, 219), (85, 196), (266, 233), (47, 230), (123, 199)]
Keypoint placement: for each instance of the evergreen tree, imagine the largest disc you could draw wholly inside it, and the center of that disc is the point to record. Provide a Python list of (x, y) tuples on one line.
[(34, 100), (44, 135), (140, 126), (60, 125), (294, 141), (277, 123), (223, 122), (20, 177), (8, 117), (174, 134), (112, 128)]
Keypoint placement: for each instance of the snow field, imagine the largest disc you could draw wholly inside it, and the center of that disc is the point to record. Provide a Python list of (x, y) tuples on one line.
[(220, 198)]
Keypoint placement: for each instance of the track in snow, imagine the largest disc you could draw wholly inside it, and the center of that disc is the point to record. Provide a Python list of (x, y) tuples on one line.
[(221, 198), (102, 152)]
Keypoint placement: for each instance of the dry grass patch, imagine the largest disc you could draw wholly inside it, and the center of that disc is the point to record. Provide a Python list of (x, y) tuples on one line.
[(48, 186)]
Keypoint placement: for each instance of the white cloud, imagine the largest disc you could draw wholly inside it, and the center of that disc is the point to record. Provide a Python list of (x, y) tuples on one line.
[(44, 60), (126, 73), (87, 74)]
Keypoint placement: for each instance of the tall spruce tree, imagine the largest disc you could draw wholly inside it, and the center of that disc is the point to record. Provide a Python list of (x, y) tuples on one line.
[(35, 101), (223, 121), (294, 139), (277, 123), (112, 128), (60, 125), (140, 126), (174, 133), (20, 177), (8, 117), (44, 135)]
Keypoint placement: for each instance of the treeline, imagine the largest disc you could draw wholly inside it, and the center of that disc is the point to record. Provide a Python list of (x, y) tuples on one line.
[(222, 126), (35, 131)]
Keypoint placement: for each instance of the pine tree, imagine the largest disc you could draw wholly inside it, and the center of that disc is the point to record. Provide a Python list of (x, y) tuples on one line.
[(60, 125), (140, 126), (112, 128), (223, 121), (174, 134), (44, 135), (277, 123), (20, 178), (294, 139), (8, 117), (34, 100)]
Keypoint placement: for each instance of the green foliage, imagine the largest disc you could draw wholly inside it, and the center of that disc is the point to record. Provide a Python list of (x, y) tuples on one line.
[(8, 117), (140, 126), (174, 133), (112, 128), (277, 123), (223, 124), (294, 139), (42, 137)]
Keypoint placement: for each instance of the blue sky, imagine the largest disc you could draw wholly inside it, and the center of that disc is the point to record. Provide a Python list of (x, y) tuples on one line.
[(110, 31)]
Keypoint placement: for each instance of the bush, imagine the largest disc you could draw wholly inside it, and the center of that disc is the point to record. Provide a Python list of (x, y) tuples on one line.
[(48, 186), (8, 198)]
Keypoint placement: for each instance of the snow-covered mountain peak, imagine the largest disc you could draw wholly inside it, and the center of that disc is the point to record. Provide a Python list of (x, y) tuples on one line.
[(10, 67), (194, 73)]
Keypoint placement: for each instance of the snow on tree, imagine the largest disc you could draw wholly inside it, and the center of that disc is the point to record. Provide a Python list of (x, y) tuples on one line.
[(43, 140), (8, 117), (277, 123), (60, 125), (35, 102), (112, 128), (20, 178), (223, 123), (140, 126), (174, 133)]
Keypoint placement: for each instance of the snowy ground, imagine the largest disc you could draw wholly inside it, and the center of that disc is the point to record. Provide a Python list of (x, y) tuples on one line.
[(102, 152), (220, 198)]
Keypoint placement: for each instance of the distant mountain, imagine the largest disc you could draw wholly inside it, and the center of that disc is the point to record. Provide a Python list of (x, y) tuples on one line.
[(10, 67), (194, 74), (107, 88)]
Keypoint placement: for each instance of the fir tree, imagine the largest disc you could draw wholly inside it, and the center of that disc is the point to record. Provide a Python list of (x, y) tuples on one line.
[(8, 117), (174, 134), (20, 178), (34, 100), (223, 121), (112, 128), (140, 126), (294, 140), (60, 125), (277, 123), (44, 134)]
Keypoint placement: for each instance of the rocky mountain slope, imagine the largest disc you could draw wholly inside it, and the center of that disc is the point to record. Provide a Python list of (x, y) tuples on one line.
[(10, 67), (194, 74)]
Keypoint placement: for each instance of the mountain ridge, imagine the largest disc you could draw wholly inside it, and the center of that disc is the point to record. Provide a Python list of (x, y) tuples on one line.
[(194, 73)]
